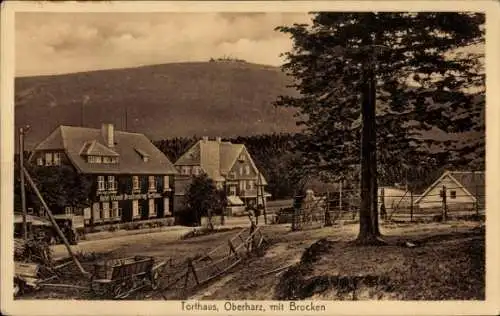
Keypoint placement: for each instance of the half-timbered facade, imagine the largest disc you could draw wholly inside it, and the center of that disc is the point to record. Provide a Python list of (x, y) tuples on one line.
[(229, 165)]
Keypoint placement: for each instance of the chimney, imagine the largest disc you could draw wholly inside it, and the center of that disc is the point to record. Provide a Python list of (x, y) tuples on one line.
[(205, 138), (107, 131), (218, 139)]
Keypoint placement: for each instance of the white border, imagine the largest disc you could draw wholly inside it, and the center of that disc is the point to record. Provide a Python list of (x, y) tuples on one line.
[(11, 307)]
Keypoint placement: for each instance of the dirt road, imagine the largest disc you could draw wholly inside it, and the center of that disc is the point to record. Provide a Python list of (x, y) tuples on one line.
[(252, 279)]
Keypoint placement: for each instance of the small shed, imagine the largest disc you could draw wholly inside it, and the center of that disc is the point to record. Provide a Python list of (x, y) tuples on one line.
[(463, 190)]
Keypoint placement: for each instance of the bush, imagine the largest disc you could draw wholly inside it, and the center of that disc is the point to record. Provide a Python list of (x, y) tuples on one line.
[(112, 228), (35, 251), (170, 221)]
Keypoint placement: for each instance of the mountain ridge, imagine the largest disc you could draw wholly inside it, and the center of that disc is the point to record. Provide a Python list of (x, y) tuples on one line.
[(219, 98)]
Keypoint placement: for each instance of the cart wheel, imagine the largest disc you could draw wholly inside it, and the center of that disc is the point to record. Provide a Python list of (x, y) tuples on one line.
[(155, 279), (119, 289), (122, 288)]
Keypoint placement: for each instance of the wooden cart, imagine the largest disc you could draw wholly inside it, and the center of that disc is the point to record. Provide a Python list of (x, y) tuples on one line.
[(117, 278)]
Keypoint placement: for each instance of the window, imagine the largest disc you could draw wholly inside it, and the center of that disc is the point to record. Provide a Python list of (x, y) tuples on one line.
[(39, 161), (106, 160), (241, 171), (113, 160), (105, 210), (57, 159), (48, 159), (166, 184), (242, 157), (67, 210), (111, 183), (100, 183), (249, 185), (152, 207), (98, 159), (196, 170), (135, 208), (247, 170), (152, 183), (453, 194), (135, 183), (114, 209)]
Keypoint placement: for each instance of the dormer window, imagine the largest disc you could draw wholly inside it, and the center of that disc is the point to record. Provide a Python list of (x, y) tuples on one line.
[(242, 158), (100, 159), (57, 159), (48, 159), (144, 155)]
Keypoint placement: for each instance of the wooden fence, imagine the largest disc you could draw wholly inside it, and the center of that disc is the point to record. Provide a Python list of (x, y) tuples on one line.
[(198, 271), (332, 207)]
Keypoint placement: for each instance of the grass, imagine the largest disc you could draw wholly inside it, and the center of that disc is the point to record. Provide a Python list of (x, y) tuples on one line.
[(440, 267)]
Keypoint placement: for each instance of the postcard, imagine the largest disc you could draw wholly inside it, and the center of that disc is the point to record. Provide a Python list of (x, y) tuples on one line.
[(250, 158)]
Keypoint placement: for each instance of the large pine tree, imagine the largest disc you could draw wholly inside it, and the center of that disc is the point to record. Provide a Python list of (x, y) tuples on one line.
[(391, 78)]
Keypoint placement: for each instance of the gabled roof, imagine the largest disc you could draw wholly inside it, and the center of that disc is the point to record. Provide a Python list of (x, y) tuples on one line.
[(228, 155), (93, 148), (215, 157), (78, 141), (472, 182)]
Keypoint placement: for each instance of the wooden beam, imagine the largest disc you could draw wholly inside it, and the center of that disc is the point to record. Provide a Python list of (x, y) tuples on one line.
[(54, 223)]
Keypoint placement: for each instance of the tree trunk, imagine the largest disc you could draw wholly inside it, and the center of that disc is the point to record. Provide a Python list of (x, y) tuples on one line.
[(368, 213)]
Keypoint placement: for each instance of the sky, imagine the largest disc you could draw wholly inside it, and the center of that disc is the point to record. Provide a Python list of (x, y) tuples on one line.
[(58, 43)]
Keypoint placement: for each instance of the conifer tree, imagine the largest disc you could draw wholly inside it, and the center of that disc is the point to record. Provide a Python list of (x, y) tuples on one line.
[(390, 77)]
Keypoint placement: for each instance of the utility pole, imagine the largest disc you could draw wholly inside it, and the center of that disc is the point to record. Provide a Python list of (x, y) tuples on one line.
[(22, 131)]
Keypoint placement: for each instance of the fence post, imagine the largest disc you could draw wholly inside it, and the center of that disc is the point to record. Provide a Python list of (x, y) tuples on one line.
[(191, 265), (444, 210), (411, 206), (476, 194), (383, 212), (340, 196), (233, 250), (328, 220)]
